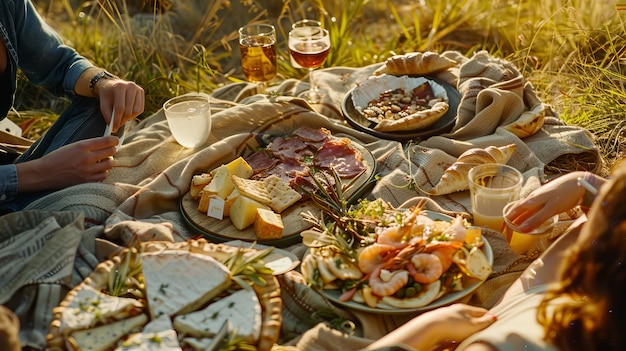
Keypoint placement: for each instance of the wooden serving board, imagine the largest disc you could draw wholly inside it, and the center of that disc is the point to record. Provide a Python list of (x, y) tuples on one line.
[(222, 230)]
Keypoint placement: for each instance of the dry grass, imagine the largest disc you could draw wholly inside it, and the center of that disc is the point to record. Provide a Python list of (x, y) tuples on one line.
[(572, 51)]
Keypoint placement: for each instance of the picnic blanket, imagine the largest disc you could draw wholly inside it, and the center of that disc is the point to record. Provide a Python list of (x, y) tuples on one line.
[(141, 196)]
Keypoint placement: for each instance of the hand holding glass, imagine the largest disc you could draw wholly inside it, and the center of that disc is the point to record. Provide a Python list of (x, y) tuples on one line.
[(309, 45), (257, 43), (189, 119)]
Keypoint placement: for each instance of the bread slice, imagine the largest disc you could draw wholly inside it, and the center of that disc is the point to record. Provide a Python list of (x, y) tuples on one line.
[(268, 224), (180, 281), (104, 337), (241, 310), (282, 195), (254, 189), (88, 306)]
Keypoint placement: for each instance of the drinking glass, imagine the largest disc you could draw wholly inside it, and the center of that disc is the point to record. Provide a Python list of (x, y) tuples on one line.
[(525, 243), (257, 43), (309, 45), (492, 186), (189, 119)]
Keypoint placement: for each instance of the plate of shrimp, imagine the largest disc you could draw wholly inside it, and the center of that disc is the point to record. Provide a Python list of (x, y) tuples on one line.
[(396, 260)]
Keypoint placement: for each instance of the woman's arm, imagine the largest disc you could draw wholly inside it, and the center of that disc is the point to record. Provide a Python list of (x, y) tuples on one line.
[(554, 197), (447, 324)]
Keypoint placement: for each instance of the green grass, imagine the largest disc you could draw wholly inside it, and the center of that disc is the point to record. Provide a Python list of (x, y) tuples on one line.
[(572, 51)]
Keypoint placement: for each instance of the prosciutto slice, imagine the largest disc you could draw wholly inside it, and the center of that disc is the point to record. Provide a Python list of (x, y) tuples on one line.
[(337, 154)]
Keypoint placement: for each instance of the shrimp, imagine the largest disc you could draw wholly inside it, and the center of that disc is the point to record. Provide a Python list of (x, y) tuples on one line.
[(396, 281), (456, 231), (373, 255), (444, 250), (399, 234), (425, 268)]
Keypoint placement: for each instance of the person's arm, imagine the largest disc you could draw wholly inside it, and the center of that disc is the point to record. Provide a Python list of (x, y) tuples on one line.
[(126, 97), (80, 162), (46, 60), (557, 196), (452, 323)]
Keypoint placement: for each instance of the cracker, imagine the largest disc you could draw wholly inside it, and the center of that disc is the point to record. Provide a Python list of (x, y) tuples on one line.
[(254, 189), (281, 194)]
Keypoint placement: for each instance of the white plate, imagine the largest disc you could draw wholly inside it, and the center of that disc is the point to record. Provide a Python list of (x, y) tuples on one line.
[(470, 285), (279, 261)]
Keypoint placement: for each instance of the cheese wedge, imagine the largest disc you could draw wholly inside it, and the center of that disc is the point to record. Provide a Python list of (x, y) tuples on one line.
[(243, 212), (268, 224), (230, 200), (89, 306), (158, 335), (242, 310), (181, 281), (105, 336), (221, 185), (240, 168)]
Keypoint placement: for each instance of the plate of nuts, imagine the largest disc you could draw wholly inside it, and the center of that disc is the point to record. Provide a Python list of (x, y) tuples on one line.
[(402, 108)]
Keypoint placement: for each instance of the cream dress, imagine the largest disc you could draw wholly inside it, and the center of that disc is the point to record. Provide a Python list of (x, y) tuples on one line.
[(517, 327)]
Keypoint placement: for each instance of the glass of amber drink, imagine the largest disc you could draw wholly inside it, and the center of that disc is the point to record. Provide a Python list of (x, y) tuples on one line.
[(257, 43), (309, 45)]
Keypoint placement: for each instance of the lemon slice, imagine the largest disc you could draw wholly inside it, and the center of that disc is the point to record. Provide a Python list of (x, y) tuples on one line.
[(473, 262)]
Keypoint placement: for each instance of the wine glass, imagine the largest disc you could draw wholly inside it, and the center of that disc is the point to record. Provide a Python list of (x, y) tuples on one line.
[(257, 43), (309, 45)]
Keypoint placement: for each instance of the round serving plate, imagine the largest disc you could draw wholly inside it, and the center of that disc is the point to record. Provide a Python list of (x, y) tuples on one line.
[(443, 124)]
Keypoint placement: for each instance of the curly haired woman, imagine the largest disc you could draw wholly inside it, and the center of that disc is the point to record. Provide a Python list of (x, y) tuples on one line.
[(571, 298)]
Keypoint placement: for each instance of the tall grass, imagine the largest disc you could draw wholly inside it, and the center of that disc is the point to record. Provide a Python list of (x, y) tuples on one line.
[(572, 51)]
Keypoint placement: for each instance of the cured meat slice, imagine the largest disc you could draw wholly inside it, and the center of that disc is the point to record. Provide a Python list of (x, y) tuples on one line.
[(311, 134), (338, 154), (261, 161), (288, 149)]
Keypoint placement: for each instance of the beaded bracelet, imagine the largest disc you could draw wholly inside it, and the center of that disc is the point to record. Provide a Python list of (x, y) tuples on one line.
[(94, 80)]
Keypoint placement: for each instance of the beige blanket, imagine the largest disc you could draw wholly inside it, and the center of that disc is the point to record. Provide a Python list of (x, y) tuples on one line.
[(141, 196)]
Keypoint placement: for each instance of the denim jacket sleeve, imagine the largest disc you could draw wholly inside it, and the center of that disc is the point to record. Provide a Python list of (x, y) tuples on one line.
[(8, 183), (37, 49)]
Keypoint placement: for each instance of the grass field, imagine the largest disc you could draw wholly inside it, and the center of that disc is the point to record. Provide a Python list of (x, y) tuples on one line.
[(572, 51)]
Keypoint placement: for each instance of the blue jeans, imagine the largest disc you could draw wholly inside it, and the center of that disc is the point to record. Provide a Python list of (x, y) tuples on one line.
[(82, 120)]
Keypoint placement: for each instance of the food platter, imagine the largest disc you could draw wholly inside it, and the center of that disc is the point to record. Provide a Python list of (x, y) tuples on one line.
[(333, 295), (220, 231), (443, 125), (129, 267), (470, 284)]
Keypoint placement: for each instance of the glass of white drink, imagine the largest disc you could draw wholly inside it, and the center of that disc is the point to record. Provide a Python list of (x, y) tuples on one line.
[(189, 119)]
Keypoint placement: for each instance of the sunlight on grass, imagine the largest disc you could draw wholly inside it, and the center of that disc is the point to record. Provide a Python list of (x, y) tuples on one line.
[(572, 51)]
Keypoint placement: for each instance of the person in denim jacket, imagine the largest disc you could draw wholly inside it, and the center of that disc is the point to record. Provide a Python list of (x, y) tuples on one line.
[(73, 150)]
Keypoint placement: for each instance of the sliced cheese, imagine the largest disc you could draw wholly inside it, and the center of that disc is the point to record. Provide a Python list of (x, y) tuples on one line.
[(181, 281), (221, 185), (158, 335), (89, 306), (200, 344), (198, 182), (241, 310), (243, 212), (268, 224), (105, 336)]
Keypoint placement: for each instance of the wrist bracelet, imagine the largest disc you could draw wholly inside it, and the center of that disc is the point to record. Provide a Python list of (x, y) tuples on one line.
[(590, 190), (94, 80)]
